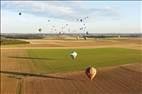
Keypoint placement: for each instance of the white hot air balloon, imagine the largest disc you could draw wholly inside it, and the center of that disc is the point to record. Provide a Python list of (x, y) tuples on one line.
[(73, 55)]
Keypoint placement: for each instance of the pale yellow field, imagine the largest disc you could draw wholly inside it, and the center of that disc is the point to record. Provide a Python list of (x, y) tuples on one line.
[(133, 43)]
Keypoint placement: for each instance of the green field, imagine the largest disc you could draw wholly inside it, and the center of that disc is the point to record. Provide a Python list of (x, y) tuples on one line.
[(58, 60)]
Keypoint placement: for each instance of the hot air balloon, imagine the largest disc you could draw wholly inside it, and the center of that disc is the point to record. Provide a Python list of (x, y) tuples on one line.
[(81, 20), (73, 55), (81, 28), (86, 17), (39, 29), (87, 33), (91, 72), (20, 13)]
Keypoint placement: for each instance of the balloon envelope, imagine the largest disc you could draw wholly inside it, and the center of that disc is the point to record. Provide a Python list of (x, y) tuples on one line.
[(73, 55), (91, 72), (39, 29), (20, 13), (81, 20), (87, 33)]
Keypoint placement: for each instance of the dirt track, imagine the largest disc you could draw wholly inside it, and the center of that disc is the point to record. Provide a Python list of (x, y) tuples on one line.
[(115, 80)]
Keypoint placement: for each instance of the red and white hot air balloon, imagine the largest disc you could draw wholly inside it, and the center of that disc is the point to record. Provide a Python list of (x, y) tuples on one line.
[(91, 72)]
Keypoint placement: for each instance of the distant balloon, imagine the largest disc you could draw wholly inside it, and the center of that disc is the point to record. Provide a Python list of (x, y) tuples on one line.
[(87, 33), (77, 19), (81, 20), (39, 29), (91, 72), (73, 55), (20, 13), (86, 17), (81, 28), (48, 20), (60, 33)]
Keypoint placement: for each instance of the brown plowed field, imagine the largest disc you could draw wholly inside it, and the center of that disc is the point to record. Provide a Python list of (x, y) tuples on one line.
[(115, 80), (8, 85)]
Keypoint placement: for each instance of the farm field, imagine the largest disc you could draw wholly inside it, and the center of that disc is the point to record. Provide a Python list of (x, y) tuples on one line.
[(8, 85), (133, 43), (59, 60), (118, 67), (112, 80), (71, 47), (12, 64)]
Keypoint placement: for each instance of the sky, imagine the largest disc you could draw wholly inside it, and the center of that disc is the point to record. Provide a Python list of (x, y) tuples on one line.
[(64, 16)]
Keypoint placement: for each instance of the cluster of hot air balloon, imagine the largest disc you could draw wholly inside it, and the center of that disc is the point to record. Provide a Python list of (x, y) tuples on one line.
[(53, 28), (90, 71), (39, 29), (83, 21)]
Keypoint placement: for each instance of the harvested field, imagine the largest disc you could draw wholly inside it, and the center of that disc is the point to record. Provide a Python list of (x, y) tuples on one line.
[(123, 43), (136, 67), (8, 63), (8, 85), (114, 80)]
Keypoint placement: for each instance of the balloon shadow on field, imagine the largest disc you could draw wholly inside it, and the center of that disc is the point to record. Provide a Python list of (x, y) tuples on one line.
[(38, 58)]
